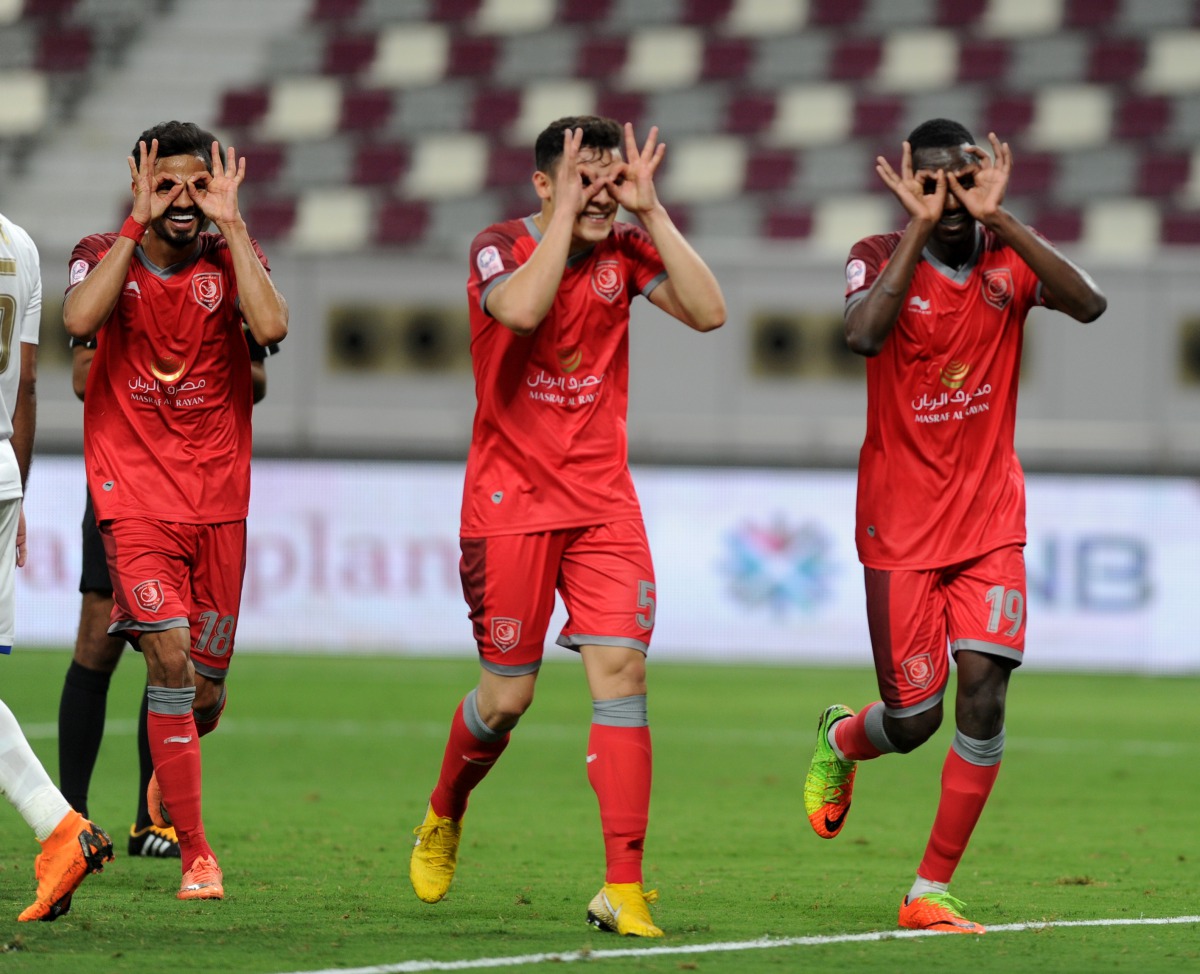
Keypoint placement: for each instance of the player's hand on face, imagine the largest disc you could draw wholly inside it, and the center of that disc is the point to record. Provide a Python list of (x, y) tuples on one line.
[(216, 193), (984, 192), (633, 185), (922, 194), (153, 192)]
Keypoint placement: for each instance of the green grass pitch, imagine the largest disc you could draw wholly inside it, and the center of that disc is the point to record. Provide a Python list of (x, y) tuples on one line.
[(322, 766)]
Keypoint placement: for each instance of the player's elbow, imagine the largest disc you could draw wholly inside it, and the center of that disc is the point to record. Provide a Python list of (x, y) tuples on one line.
[(1093, 309), (710, 319), (520, 325), (862, 343), (78, 325)]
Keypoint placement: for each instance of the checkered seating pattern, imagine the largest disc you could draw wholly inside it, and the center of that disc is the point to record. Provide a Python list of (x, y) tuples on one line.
[(410, 122)]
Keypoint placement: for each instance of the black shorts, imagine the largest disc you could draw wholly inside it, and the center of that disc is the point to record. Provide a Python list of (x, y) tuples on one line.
[(94, 576)]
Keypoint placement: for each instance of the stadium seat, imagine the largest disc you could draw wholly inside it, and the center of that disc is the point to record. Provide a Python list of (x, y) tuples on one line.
[(366, 110), (749, 113), (1141, 117), (839, 223), (787, 222), (1181, 228), (983, 59), (379, 164), (959, 14), (471, 57), (412, 54), (513, 16), (401, 222), (1116, 60), (334, 219), (349, 54), (303, 108), (726, 59), (270, 218), (24, 97), (1163, 175), (1172, 63), (1121, 227), (1016, 18), (544, 101), (664, 57), (1070, 116), (918, 60), (705, 169), (64, 49), (447, 165), (813, 115), (1090, 14), (770, 170), (765, 18)]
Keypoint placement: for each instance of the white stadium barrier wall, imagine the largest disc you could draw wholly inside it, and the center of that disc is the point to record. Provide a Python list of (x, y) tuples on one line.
[(752, 564)]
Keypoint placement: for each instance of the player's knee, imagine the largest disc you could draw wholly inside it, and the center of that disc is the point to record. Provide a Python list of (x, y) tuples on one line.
[(909, 733)]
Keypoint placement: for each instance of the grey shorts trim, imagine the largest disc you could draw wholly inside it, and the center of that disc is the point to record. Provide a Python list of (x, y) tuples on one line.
[(990, 649), (128, 625), (523, 670), (210, 672), (582, 639), (916, 708)]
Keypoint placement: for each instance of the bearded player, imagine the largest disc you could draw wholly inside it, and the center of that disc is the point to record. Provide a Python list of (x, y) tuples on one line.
[(939, 310), (548, 501), (167, 443)]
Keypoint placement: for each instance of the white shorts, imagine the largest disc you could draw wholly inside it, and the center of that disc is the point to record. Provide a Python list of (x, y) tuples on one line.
[(10, 517)]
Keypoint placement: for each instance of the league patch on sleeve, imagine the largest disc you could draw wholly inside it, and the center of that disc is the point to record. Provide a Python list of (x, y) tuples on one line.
[(489, 262), (856, 275), (79, 270)]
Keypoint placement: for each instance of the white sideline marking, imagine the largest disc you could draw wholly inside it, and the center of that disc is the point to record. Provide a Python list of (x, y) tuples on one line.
[(763, 943)]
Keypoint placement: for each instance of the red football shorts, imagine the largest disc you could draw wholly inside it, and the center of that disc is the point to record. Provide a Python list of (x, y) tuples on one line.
[(603, 573), (914, 616), (167, 575)]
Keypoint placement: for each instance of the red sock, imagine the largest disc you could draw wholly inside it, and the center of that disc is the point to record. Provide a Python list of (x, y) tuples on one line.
[(965, 790), (851, 736), (466, 763), (175, 748), (619, 769)]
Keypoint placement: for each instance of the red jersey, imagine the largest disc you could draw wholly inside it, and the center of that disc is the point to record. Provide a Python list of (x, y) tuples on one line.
[(939, 481), (166, 418), (549, 447)]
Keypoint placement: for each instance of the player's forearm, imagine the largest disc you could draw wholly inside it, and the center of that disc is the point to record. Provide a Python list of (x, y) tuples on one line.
[(870, 320), (262, 306), (89, 303), (24, 420), (694, 286), (1070, 288), (522, 301)]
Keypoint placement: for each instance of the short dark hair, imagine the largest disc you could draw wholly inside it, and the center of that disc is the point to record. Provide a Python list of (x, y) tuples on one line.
[(939, 133), (177, 139), (598, 133)]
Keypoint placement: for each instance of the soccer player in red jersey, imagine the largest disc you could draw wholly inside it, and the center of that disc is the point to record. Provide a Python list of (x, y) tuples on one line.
[(548, 501), (939, 310), (167, 442), (82, 707)]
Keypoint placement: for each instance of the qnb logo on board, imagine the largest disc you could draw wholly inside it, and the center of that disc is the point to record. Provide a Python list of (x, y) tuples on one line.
[(779, 566)]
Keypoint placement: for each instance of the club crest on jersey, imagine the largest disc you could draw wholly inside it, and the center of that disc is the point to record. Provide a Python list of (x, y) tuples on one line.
[(607, 280), (919, 671), (998, 287), (506, 633), (149, 595), (207, 290)]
